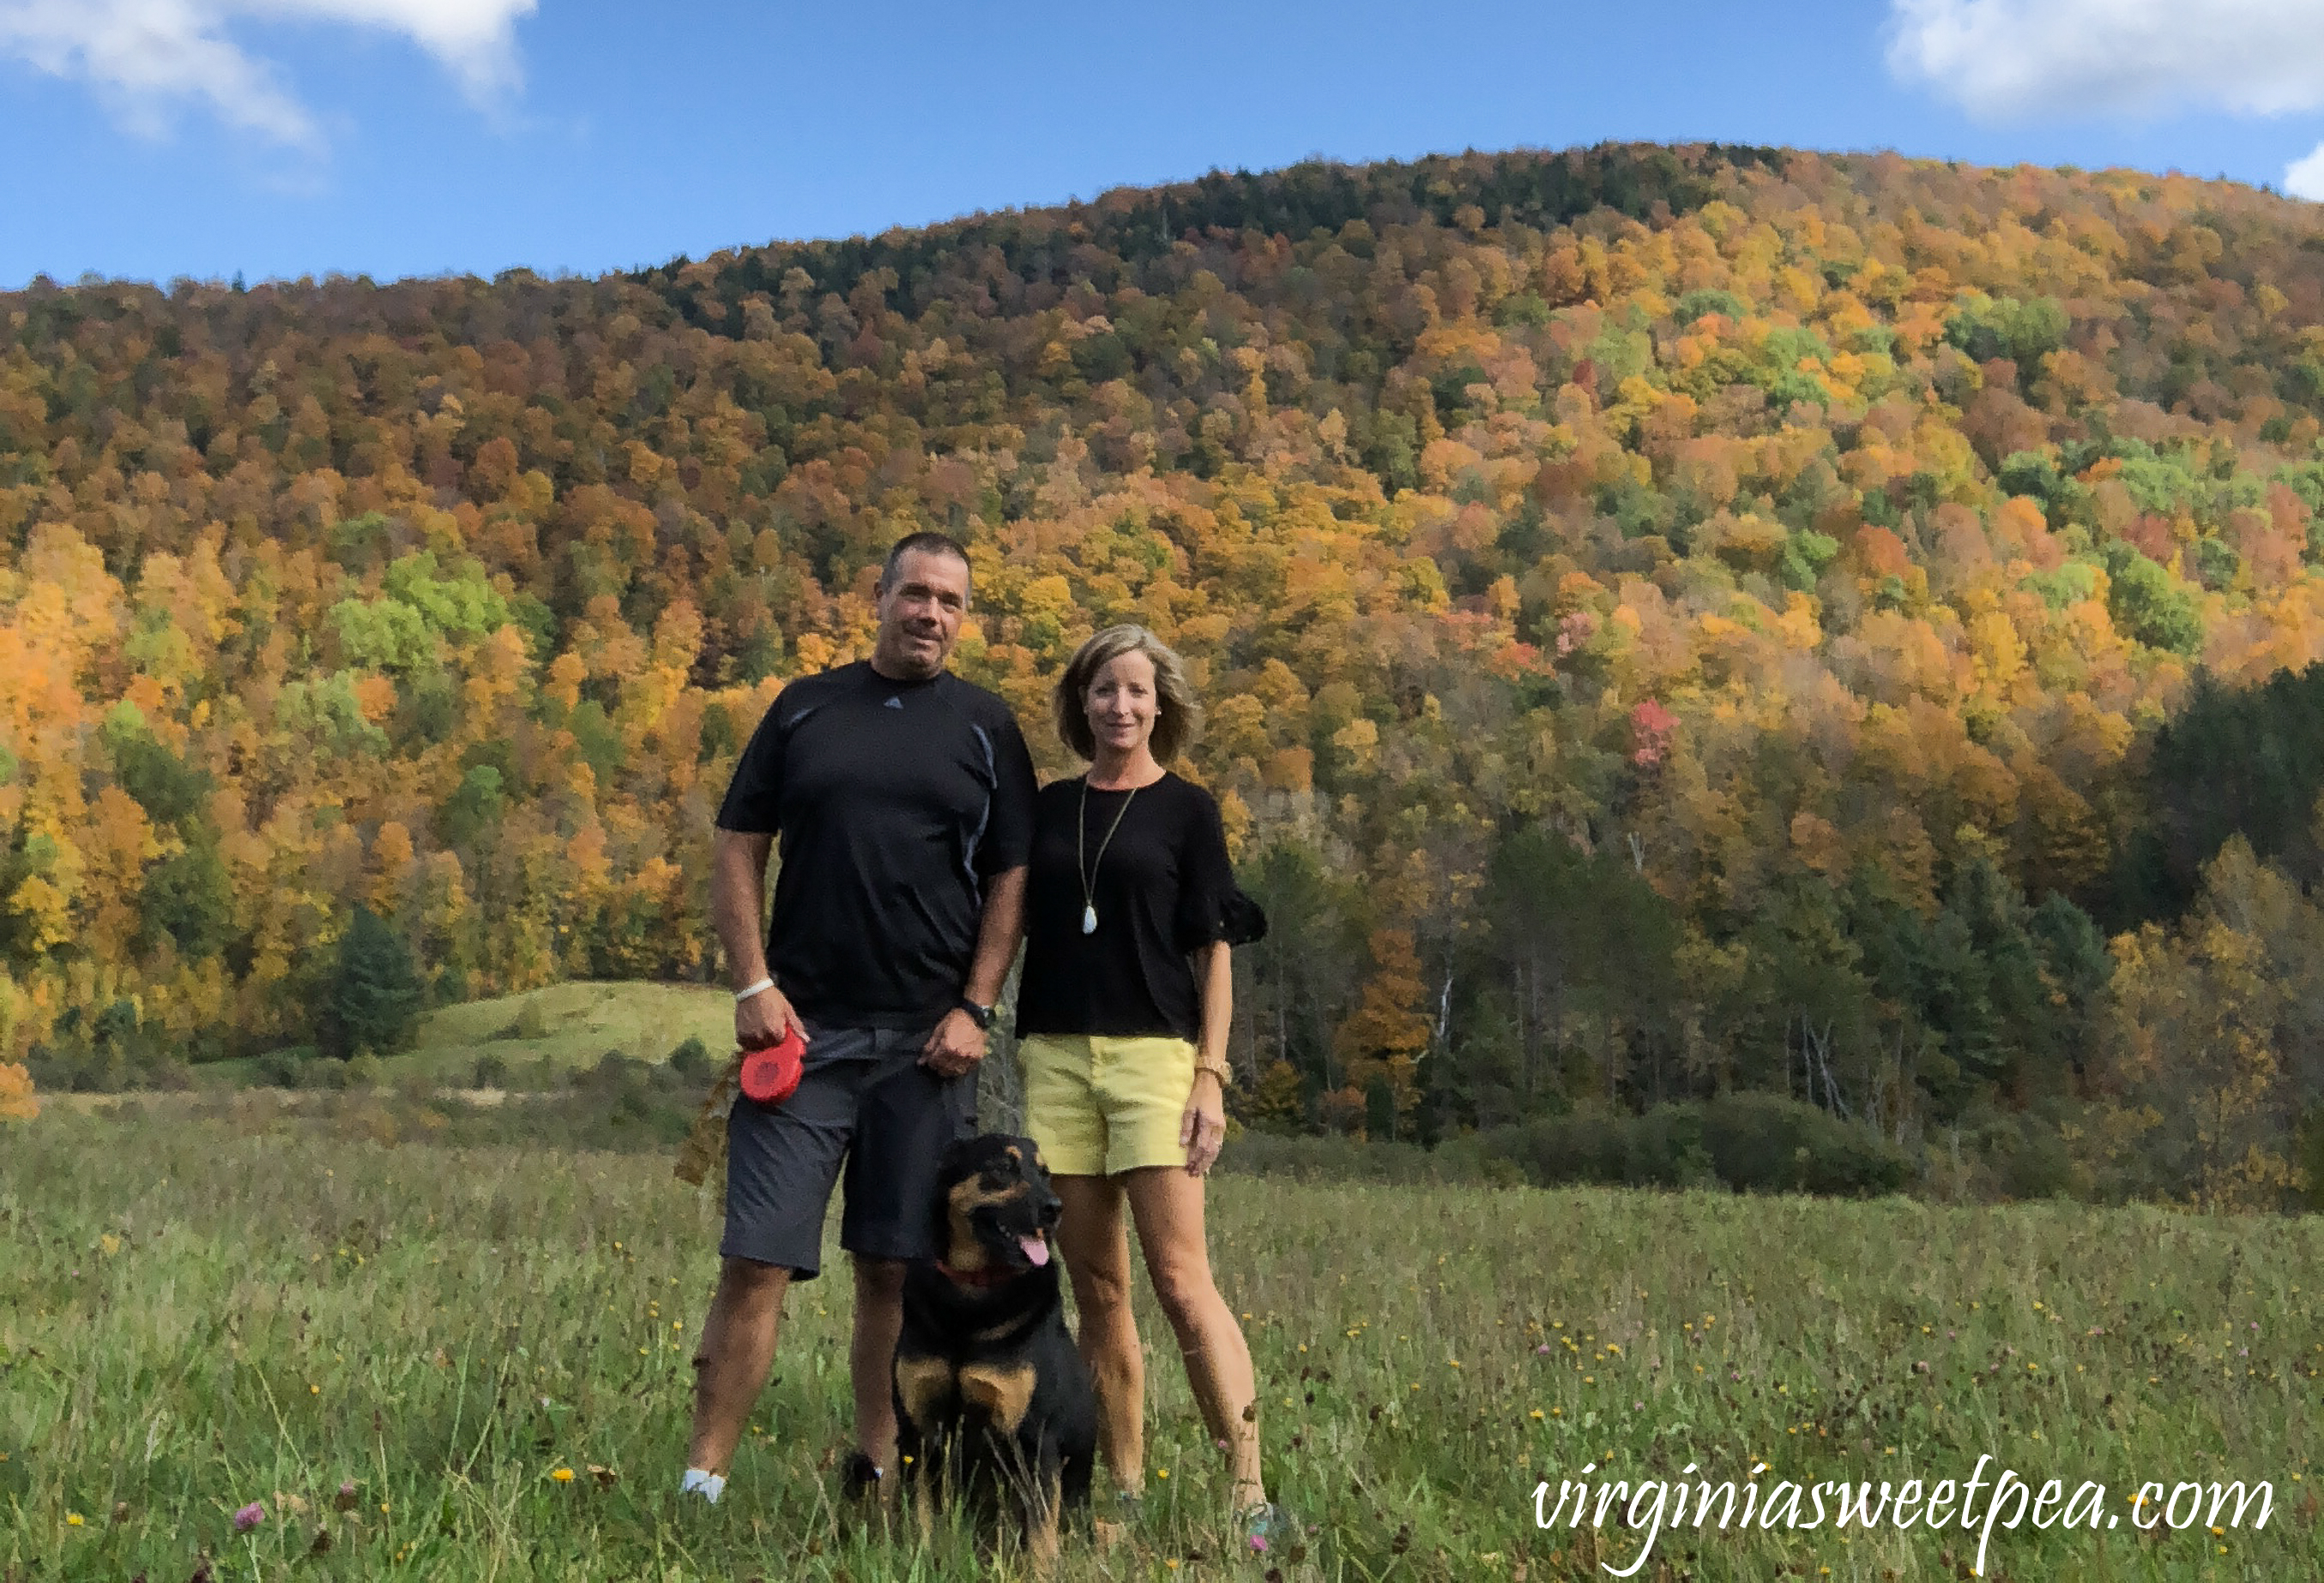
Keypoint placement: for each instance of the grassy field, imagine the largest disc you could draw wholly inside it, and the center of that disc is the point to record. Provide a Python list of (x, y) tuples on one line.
[(199, 1312), (561, 1027)]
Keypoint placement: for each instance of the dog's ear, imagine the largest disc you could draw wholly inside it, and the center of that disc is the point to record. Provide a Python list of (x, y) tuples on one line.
[(960, 1160), (956, 1236)]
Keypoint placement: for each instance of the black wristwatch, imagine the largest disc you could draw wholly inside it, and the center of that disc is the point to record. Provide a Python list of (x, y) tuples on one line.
[(981, 1016)]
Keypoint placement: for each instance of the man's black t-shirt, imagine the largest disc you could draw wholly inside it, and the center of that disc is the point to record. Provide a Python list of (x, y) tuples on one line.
[(1164, 888), (894, 801)]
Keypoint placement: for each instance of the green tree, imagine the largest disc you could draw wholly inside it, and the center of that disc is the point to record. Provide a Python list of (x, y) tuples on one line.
[(475, 807), (1303, 971), (1580, 950), (375, 996), (2021, 332), (189, 898), (170, 791), (2150, 604)]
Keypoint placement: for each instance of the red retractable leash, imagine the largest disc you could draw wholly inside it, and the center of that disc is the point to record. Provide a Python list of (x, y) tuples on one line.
[(771, 1074)]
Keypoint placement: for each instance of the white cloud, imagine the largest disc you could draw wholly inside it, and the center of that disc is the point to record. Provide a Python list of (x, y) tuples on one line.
[(2305, 178), (2004, 58), (148, 58)]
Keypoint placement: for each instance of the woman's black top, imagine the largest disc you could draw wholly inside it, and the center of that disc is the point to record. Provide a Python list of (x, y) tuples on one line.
[(1162, 890)]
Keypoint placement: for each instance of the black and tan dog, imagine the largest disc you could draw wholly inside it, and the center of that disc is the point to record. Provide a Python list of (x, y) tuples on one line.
[(993, 1405)]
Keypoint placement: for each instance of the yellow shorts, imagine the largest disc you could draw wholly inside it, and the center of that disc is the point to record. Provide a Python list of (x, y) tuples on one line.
[(1098, 1105)]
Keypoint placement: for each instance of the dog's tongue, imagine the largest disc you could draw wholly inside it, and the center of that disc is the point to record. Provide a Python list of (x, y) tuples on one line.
[(1037, 1250)]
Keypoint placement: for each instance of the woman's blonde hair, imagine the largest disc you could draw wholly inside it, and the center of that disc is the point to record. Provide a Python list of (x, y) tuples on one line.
[(1177, 716)]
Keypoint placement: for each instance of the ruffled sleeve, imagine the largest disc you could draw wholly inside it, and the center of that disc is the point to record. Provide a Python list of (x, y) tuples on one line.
[(1210, 906)]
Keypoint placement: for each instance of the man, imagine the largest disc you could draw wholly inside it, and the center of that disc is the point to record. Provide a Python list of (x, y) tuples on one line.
[(903, 797)]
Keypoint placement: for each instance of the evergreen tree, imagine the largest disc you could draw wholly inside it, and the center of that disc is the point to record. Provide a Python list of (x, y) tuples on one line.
[(375, 996)]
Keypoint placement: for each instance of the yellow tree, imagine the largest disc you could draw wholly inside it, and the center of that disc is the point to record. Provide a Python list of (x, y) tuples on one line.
[(2203, 1018), (1383, 1040), (17, 1101), (1275, 1103)]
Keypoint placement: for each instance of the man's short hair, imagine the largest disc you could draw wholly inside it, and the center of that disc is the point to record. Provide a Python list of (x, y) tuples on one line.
[(927, 541), (1178, 713)]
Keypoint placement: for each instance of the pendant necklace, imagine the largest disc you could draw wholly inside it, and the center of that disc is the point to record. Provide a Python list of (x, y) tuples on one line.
[(1088, 871)]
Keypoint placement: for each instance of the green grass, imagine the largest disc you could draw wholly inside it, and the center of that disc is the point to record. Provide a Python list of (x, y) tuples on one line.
[(197, 1312), (577, 1022)]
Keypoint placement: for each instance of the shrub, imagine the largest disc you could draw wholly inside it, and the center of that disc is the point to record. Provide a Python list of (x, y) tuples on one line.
[(528, 1023), (1765, 1142), (615, 1070), (1339, 1159), (282, 1068), (691, 1060), (492, 1071), (2031, 1160), (1666, 1148), (1663, 1148), (111, 1067), (635, 1096), (1562, 1150), (1749, 1141)]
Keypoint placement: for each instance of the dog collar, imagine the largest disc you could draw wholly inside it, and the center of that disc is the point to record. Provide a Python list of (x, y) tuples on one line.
[(985, 1278)]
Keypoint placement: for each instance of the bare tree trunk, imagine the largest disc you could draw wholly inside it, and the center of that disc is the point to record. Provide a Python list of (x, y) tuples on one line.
[(1818, 1047), (1282, 1014)]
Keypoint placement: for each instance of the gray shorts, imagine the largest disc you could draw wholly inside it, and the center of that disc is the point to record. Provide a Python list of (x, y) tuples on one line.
[(865, 1101)]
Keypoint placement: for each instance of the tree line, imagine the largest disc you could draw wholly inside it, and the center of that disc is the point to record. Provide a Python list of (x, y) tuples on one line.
[(1677, 622)]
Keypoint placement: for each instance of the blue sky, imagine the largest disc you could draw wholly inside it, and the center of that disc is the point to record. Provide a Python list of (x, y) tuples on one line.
[(156, 138)]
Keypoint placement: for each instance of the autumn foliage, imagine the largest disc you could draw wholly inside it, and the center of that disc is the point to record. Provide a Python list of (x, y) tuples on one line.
[(1793, 555), (17, 1101)]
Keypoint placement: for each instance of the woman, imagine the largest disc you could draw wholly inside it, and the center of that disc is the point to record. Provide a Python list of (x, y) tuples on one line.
[(1130, 909)]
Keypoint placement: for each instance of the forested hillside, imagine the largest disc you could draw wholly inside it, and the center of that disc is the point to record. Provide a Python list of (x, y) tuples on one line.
[(1675, 621)]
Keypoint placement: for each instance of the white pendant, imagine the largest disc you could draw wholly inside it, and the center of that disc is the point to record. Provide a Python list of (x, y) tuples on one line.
[(1089, 917)]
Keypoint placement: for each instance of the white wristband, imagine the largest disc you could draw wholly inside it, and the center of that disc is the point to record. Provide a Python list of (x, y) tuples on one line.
[(747, 991)]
